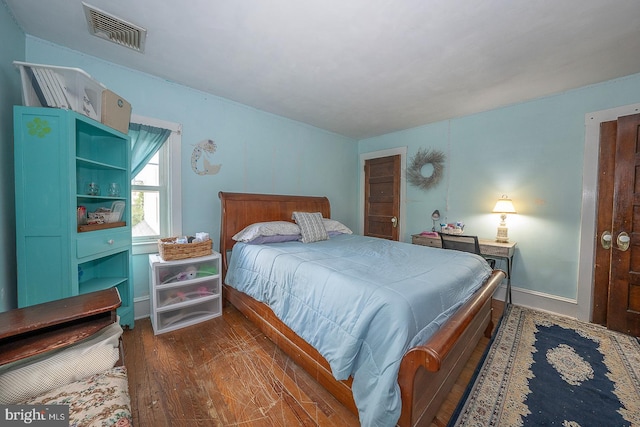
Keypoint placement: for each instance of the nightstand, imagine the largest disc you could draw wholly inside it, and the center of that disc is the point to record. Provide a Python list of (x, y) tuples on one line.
[(488, 248)]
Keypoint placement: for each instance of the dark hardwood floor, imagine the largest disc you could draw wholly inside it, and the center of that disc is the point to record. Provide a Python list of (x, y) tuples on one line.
[(225, 372)]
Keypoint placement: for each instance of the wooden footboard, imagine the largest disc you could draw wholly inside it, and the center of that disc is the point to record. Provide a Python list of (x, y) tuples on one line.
[(427, 372)]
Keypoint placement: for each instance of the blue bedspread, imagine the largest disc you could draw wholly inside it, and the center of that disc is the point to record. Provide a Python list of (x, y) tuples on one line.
[(362, 302)]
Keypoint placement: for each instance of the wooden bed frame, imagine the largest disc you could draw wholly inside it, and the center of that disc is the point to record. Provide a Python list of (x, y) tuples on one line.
[(427, 372)]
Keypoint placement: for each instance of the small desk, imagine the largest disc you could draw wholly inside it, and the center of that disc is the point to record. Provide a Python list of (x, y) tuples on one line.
[(489, 248)]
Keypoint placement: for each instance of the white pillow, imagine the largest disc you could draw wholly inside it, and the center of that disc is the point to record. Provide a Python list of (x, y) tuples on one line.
[(333, 226), (270, 228), (32, 377), (311, 226)]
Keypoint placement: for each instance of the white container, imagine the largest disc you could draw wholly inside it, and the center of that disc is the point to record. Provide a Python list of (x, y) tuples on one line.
[(60, 87), (184, 292)]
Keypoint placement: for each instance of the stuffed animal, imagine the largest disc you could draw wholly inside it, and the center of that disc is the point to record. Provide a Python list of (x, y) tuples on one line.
[(207, 271), (189, 273), (173, 298)]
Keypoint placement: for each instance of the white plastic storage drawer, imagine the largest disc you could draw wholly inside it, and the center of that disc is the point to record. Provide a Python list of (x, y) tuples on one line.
[(172, 295), (178, 317), (184, 270), (184, 292)]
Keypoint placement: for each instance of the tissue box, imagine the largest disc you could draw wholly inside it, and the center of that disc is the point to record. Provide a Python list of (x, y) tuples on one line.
[(116, 111)]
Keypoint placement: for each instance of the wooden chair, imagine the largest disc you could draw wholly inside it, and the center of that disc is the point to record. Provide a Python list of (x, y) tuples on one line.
[(464, 243)]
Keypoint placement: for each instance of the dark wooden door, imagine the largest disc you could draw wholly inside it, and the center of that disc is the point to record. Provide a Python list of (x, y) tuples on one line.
[(602, 265), (619, 215), (382, 197)]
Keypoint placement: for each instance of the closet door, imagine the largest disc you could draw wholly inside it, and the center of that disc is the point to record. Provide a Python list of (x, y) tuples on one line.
[(382, 197), (624, 289), (617, 264)]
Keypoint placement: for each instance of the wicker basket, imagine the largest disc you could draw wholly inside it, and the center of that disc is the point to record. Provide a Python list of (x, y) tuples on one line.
[(171, 251)]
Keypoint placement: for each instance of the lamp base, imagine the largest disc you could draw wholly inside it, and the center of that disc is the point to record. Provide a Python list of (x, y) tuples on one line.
[(502, 236)]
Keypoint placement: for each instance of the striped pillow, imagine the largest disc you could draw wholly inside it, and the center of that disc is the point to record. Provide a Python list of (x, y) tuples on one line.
[(311, 226)]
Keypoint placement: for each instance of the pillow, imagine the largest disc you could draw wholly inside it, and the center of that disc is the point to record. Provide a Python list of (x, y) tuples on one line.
[(334, 227), (311, 226), (270, 228), (278, 238), (34, 376)]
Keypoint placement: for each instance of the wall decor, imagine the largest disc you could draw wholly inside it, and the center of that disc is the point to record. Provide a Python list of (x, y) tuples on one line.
[(424, 157), (206, 147)]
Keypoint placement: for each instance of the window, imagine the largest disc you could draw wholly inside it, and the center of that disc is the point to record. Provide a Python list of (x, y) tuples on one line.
[(148, 190), (155, 192)]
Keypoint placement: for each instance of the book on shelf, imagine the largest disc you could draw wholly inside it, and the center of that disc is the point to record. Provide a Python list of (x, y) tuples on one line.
[(57, 89), (44, 87), (50, 88), (63, 88), (87, 108), (49, 82), (36, 86)]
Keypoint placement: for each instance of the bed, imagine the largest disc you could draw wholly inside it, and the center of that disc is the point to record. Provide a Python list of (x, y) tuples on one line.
[(427, 371)]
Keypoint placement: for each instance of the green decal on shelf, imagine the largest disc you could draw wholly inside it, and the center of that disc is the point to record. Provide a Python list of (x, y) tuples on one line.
[(38, 127)]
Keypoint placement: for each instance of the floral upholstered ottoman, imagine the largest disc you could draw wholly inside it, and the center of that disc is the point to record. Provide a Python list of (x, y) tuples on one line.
[(99, 400)]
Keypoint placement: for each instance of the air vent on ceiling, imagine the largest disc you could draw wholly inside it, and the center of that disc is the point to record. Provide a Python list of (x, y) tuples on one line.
[(114, 29)]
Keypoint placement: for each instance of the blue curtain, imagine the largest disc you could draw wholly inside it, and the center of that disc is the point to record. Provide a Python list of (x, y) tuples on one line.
[(145, 142)]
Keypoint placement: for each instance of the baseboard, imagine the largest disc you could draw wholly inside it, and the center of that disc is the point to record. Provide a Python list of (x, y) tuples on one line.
[(141, 307), (540, 301)]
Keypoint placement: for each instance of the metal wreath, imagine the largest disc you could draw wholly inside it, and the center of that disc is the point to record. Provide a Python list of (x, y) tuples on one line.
[(424, 157)]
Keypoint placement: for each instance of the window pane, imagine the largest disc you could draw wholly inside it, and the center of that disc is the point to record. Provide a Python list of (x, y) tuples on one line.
[(150, 174), (145, 213)]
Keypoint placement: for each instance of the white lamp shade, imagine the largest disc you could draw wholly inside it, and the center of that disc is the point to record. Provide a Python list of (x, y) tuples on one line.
[(504, 205)]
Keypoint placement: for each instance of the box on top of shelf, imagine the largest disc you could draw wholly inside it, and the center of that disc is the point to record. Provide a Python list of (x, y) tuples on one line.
[(116, 111), (61, 87)]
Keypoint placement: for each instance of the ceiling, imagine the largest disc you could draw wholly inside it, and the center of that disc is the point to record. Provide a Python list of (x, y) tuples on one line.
[(362, 68)]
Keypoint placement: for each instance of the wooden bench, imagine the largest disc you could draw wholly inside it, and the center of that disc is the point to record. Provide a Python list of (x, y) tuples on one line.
[(76, 342)]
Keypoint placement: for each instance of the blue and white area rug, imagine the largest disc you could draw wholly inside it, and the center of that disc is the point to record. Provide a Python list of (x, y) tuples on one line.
[(543, 370)]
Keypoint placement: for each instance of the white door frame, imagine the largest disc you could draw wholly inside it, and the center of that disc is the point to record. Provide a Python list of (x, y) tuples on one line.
[(402, 151), (588, 221)]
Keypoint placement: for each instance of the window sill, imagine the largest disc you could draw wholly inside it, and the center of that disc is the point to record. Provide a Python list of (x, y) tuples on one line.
[(142, 248)]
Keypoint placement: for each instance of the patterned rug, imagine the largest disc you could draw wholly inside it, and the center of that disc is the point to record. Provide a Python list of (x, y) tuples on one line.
[(543, 369)]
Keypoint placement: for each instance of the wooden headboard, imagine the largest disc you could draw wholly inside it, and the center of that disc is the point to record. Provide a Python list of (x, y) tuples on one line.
[(242, 209)]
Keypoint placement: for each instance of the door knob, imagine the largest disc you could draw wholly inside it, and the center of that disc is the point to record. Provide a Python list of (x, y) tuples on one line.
[(623, 241), (605, 240), (394, 221)]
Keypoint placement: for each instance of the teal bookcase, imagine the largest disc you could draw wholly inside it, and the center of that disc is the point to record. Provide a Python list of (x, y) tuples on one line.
[(58, 154)]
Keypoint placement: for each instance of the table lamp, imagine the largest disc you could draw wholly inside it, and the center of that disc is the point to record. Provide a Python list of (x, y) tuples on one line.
[(503, 207)]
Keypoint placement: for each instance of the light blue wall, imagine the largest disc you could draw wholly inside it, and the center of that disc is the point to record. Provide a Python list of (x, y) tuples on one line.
[(533, 152), (259, 152), (13, 44)]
